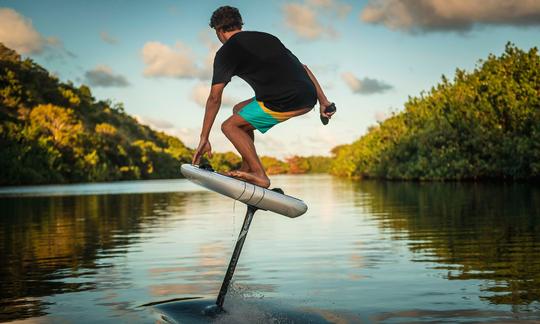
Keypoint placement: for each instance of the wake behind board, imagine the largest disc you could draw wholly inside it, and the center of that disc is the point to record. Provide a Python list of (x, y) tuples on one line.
[(245, 192)]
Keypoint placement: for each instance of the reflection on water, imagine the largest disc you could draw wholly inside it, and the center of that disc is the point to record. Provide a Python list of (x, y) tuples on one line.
[(365, 251), (52, 245), (489, 232)]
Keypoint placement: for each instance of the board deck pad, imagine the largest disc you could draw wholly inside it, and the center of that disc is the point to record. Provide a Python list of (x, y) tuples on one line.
[(245, 192)]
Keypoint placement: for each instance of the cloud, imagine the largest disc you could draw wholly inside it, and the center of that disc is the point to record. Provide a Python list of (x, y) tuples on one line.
[(107, 38), (155, 123), (165, 61), (303, 21), (180, 61), (306, 19), (18, 33), (366, 85), (200, 92), (422, 16), (103, 76), (340, 9), (208, 38)]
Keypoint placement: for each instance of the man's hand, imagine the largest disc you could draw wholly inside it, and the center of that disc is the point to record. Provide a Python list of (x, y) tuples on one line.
[(204, 147), (323, 107)]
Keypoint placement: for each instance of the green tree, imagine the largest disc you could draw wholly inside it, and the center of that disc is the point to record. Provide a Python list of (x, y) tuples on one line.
[(483, 124), (53, 132)]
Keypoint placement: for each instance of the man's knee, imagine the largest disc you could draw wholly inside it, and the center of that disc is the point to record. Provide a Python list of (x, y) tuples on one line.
[(227, 126)]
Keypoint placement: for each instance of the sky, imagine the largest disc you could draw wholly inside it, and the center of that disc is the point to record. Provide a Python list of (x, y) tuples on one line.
[(370, 56)]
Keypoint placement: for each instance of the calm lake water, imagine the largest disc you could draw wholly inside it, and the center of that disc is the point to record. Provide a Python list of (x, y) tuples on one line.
[(364, 252)]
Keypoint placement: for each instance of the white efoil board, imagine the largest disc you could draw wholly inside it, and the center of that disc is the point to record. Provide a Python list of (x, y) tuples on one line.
[(245, 192)]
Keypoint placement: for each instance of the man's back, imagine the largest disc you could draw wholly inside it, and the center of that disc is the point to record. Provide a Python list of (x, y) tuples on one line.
[(277, 76)]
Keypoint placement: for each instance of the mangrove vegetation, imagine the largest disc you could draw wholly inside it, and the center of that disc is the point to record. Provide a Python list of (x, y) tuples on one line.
[(485, 124)]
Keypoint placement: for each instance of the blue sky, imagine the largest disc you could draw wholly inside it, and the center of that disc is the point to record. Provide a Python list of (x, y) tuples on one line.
[(368, 55)]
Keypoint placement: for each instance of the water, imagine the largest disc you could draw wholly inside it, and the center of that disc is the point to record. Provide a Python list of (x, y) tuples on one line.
[(364, 252)]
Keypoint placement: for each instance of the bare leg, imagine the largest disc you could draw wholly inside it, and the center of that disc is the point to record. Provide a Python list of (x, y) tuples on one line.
[(244, 167), (237, 131), (251, 134)]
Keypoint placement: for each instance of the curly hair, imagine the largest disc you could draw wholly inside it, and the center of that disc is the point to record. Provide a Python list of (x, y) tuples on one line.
[(226, 18)]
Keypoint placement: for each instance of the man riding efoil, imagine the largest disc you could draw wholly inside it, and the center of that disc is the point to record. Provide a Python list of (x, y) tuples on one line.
[(284, 88)]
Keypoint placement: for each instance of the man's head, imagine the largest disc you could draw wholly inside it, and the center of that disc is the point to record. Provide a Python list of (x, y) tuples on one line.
[(224, 20)]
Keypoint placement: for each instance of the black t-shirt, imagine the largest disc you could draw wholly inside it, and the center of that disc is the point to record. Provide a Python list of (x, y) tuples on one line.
[(276, 75)]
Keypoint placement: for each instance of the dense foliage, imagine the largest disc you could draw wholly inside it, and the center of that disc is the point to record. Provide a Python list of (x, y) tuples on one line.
[(297, 164), (484, 124), (53, 132)]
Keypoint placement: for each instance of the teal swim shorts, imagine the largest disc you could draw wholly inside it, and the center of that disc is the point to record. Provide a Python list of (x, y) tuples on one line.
[(262, 118)]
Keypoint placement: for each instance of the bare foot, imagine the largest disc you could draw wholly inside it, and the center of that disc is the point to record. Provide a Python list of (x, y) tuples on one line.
[(260, 180), (243, 168), (232, 173)]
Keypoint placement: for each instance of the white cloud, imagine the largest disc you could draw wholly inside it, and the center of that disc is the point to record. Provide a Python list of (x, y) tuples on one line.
[(179, 61), (365, 85), (200, 92), (307, 20), (18, 33), (165, 61), (450, 15), (103, 76), (341, 9), (107, 38), (156, 123), (209, 40), (303, 21)]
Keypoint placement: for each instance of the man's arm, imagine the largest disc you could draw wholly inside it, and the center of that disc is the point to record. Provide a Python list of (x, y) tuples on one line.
[(212, 107), (323, 101)]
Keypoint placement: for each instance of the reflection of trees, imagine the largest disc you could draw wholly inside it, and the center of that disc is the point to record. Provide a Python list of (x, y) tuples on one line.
[(44, 241), (488, 232)]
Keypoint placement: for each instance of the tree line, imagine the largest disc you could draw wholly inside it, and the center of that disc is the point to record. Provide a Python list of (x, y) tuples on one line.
[(55, 132), (484, 124)]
